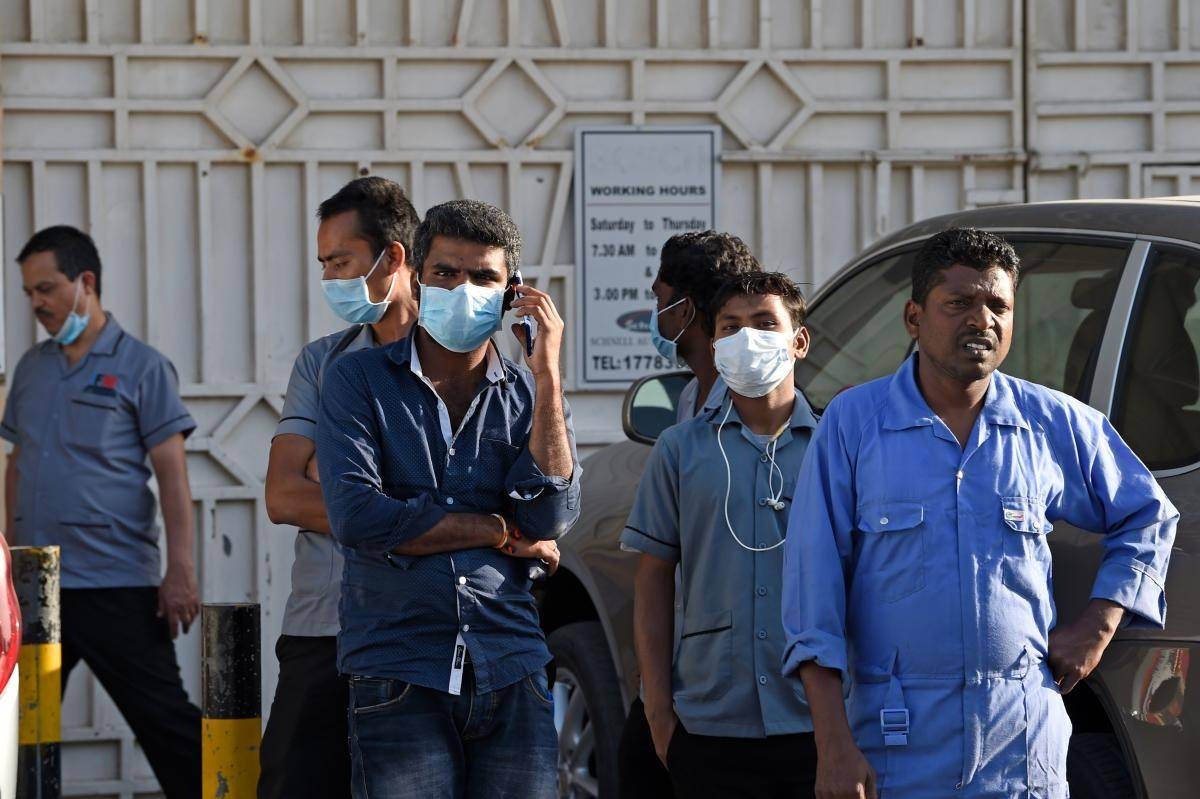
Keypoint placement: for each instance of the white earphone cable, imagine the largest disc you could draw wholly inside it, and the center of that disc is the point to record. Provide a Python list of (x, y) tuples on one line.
[(775, 501)]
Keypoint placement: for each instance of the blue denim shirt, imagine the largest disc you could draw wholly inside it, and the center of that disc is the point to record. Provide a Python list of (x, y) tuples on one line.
[(388, 476), (920, 569)]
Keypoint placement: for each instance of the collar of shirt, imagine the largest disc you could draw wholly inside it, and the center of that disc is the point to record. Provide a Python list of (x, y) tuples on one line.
[(495, 374), (802, 417), (105, 344), (906, 406)]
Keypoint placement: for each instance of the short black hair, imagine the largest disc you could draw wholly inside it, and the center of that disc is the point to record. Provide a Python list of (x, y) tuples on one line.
[(384, 212), (765, 283), (473, 221), (696, 263), (967, 246), (73, 249)]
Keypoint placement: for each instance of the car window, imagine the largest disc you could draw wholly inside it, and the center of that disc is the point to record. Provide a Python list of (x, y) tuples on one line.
[(1063, 299), (857, 330), (1157, 406)]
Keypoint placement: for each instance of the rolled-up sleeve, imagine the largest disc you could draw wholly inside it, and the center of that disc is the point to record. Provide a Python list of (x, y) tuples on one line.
[(818, 552), (361, 515), (545, 506), (653, 524), (1118, 497)]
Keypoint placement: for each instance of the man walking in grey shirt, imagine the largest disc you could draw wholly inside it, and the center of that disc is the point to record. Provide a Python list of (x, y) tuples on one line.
[(363, 243)]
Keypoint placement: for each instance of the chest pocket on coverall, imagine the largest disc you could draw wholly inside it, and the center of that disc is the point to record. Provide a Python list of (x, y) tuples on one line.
[(892, 548), (1026, 564)]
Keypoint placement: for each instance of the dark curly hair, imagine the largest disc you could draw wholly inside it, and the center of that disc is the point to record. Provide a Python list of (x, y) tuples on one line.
[(695, 264), (384, 211), (473, 221), (753, 283), (967, 246)]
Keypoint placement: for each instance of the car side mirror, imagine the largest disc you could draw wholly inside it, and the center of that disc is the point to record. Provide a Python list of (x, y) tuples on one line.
[(651, 404)]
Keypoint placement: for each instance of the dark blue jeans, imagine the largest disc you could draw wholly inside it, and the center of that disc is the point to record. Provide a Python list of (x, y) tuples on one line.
[(409, 742)]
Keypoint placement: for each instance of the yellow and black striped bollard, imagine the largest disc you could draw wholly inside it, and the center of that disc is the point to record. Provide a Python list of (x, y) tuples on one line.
[(232, 700), (36, 580)]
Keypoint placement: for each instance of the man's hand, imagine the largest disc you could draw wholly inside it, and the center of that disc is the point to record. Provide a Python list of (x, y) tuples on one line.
[(547, 342), (547, 551), (178, 598), (311, 471), (662, 727), (1076, 648), (844, 773)]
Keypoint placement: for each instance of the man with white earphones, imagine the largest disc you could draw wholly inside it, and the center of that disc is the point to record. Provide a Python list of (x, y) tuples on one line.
[(714, 498), (692, 266)]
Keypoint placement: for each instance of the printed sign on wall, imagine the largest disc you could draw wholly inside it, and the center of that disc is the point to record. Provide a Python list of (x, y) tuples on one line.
[(634, 189)]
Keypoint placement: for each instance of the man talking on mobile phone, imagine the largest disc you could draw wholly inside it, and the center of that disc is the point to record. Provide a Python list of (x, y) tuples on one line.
[(446, 468)]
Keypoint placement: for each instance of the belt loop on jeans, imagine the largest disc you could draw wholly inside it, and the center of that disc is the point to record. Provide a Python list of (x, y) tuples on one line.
[(893, 718)]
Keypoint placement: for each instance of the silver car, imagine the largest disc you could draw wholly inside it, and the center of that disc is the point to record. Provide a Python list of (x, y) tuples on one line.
[(1107, 311)]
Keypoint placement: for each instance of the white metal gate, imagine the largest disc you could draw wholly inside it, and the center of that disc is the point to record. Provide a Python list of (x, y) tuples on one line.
[(195, 138)]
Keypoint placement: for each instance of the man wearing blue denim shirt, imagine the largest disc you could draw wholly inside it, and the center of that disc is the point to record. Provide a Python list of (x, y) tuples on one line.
[(917, 564), (428, 447)]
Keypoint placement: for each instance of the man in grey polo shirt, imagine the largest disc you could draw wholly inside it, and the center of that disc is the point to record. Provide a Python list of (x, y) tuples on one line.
[(84, 410), (713, 499), (363, 243), (692, 267)]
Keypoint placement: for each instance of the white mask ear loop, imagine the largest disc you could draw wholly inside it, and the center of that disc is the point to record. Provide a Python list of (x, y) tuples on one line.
[(728, 484), (367, 276), (683, 329)]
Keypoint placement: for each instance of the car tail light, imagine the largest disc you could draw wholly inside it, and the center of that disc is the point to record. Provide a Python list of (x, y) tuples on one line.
[(10, 621)]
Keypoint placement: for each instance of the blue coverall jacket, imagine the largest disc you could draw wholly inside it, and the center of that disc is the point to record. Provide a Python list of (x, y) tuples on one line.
[(920, 569)]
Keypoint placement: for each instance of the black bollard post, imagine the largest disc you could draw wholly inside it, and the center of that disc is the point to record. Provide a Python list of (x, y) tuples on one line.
[(36, 579), (232, 689)]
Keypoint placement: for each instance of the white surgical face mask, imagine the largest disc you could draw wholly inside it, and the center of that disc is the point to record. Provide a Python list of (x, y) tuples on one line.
[(753, 362)]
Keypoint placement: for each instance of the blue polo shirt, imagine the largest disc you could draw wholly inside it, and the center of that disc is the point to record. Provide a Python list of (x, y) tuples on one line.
[(725, 670), (84, 433)]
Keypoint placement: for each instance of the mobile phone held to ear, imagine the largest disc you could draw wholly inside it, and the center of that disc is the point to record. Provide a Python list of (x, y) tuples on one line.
[(529, 324)]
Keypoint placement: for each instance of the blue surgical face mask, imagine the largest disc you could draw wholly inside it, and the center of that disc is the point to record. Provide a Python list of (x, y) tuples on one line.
[(76, 322), (462, 318), (351, 299), (668, 347)]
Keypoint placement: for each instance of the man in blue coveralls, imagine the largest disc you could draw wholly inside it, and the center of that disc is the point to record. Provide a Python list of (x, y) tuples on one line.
[(917, 569)]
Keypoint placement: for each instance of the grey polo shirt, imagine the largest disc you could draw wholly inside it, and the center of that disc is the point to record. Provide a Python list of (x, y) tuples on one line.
[(726, 678), (84, 432), (312, 606), (687, 398)]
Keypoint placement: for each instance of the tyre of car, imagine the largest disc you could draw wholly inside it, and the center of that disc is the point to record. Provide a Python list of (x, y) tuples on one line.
[(588, 711), (1096, 768)]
